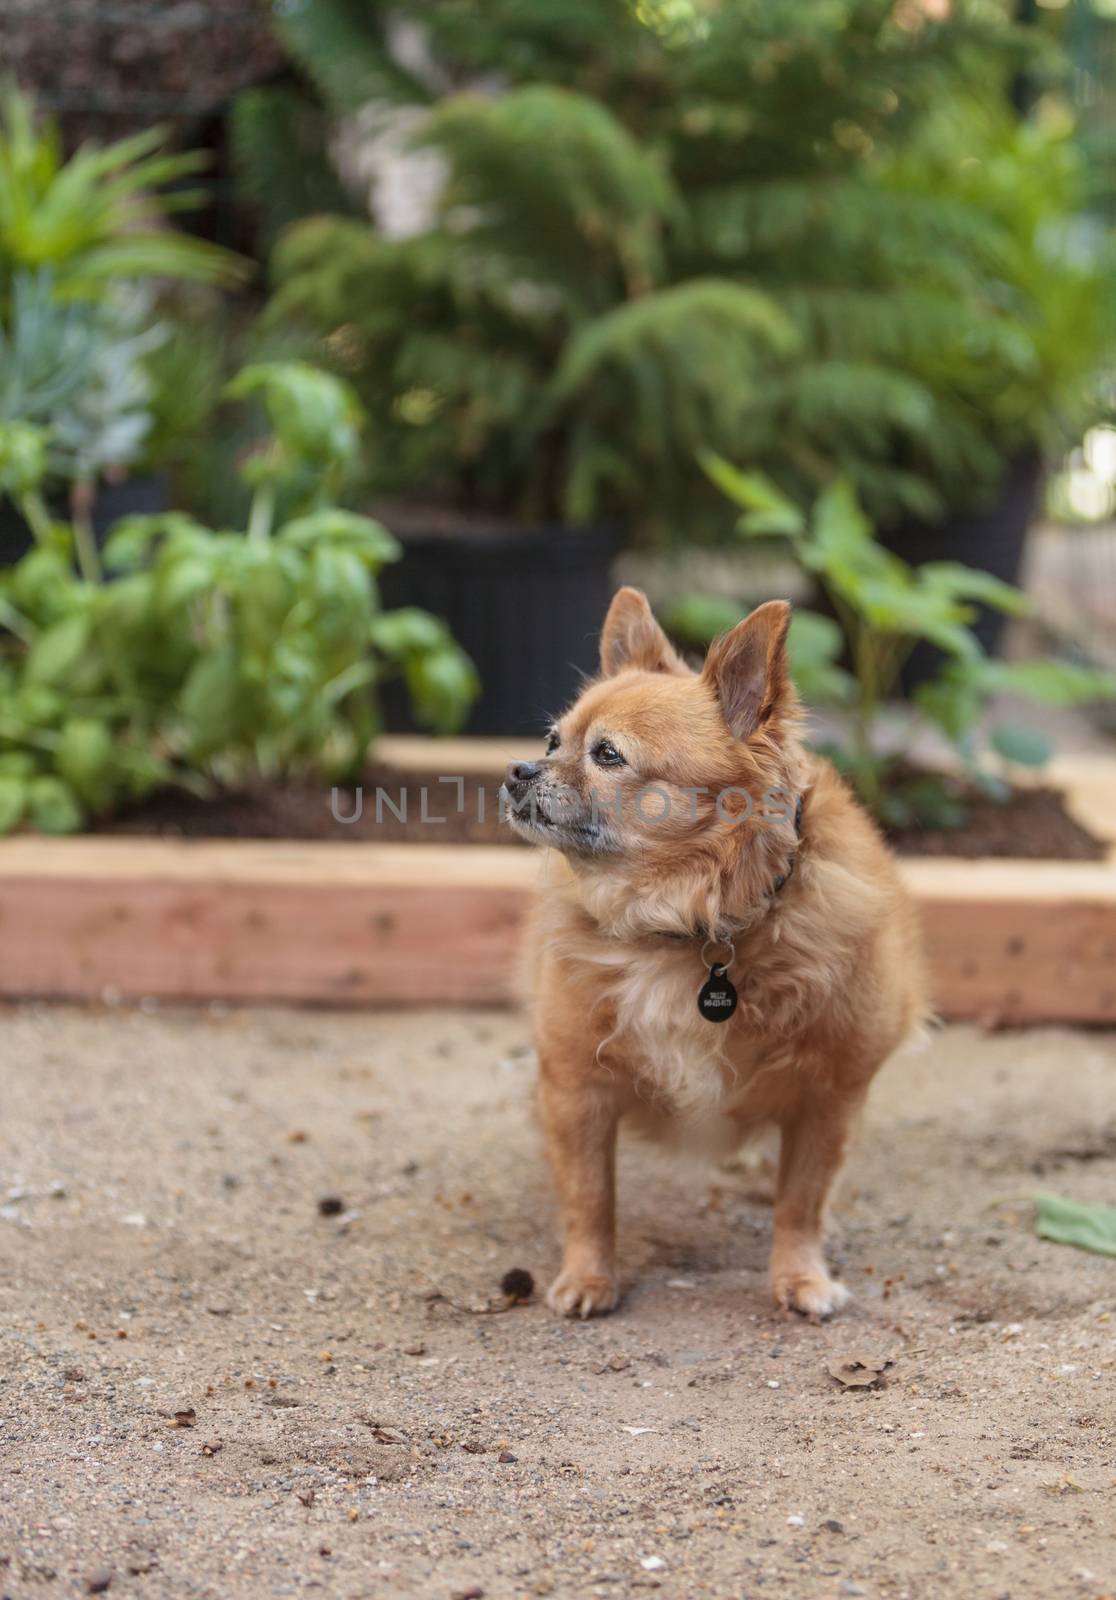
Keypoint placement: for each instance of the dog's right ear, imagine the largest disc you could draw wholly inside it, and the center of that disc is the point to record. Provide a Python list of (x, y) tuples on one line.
[(632, 638)]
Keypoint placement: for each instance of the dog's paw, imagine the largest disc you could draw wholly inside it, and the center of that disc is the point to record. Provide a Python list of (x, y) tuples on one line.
[(813, 1294), (582, 1294)]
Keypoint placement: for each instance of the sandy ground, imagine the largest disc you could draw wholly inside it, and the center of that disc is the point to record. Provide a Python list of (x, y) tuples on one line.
[(363, 1424)]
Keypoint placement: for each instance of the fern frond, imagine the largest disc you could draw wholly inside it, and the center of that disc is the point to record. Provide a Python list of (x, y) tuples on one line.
[(853, 400), (894, 323), (835, 222), (668, 373), (555, 184)]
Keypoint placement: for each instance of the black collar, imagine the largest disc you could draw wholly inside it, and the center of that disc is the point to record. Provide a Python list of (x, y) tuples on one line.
[(727, 933)]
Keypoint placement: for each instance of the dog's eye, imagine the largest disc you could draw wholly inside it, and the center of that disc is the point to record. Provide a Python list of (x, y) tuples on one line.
[(607, 755), (552, 741)]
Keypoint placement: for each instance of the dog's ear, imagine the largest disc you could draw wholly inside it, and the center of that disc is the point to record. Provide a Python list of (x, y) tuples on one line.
[(747, 668), (632, 638)]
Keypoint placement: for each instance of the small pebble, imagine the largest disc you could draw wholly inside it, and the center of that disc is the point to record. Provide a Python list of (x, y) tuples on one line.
[(98, 1582), (330, 1205)]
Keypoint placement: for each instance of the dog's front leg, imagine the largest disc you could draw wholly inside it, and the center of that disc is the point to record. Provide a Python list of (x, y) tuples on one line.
[(579, 1117), (814, 1140)]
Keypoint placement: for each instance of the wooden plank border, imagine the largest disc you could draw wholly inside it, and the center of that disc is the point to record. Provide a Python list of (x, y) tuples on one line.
[(358, 924), (1019, 941), (365, 924)]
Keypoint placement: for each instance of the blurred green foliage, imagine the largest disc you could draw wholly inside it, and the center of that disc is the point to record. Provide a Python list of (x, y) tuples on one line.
[(83, 241), (884, 608), (100, 217), (809, 234)]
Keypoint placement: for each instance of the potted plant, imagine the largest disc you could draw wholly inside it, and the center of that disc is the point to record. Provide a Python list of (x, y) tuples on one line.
[(642, 230), (82, 242)]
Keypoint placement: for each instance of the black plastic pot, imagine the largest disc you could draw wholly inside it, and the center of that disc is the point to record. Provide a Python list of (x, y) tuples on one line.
[(992, 538), (525, 603), (144, 494)]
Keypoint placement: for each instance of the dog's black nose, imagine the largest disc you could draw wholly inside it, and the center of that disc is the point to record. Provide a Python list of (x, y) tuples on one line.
[(524, 771)]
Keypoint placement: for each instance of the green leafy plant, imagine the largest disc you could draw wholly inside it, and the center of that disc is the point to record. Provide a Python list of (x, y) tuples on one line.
[(79, 370), (83, 243), (100, 217), (660, 225), (47, 349), (884, 608), (209, 657)]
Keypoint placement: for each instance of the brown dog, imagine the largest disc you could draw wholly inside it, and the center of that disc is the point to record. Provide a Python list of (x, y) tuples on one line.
[(699, 849)]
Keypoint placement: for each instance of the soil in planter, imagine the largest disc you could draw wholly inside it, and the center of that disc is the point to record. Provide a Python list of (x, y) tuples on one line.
[(1032, 825), (306, 811)]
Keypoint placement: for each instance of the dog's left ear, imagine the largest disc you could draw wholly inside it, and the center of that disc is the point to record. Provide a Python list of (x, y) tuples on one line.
[(747, 668)]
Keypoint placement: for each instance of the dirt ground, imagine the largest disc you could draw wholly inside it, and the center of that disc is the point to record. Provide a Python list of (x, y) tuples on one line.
[(356, 1417)]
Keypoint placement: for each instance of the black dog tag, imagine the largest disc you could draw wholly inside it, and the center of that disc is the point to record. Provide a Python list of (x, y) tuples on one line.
[(717, 997)]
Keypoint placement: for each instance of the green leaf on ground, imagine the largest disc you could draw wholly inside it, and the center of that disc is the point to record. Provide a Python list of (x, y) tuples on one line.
[(1070, 1222)]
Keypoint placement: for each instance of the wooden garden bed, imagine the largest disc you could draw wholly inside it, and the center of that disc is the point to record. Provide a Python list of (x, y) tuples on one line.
[(367, 924)]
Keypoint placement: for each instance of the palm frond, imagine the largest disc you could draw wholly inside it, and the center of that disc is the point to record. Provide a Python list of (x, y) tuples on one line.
[(98, 215)]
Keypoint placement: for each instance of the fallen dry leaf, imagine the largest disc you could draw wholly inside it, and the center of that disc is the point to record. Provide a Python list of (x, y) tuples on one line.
[(859, 1370), (382, 1434)]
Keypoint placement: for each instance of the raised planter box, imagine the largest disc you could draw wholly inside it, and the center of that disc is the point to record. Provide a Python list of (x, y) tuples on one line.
[(359, 924)]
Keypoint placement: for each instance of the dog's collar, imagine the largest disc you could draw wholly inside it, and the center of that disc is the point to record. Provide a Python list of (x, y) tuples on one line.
[(725, 932)]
